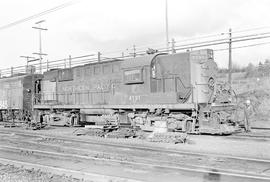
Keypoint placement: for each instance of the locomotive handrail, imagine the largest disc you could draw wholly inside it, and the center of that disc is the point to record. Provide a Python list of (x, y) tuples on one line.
[(54, 97), (183, 83), (188, 93)]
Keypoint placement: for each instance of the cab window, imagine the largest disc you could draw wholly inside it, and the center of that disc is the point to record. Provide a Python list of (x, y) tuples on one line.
[(133, 76)]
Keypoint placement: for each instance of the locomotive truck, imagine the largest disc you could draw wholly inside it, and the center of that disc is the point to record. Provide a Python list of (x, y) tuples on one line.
[(177, 89)]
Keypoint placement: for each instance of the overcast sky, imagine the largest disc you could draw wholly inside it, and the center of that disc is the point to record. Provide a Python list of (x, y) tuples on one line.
[(106, 25)]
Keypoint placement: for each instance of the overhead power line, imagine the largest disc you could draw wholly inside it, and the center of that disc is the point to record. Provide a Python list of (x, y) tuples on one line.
[(212, 43), (251, 29), (206, 41), (182, 40), (206, 36), (199, 44), (210, 36), (239, 47), (224, 39), (224, 42), (56, 8)]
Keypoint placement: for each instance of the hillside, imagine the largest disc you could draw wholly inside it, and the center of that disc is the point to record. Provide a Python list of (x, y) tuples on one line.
[(255, 89)]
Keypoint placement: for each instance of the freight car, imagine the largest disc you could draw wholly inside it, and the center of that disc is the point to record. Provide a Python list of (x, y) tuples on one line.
[(176, 89), (16, 95)]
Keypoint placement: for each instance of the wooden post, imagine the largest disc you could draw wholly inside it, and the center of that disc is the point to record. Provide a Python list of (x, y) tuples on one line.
[(69, 58), (134, 51), (99, 54), (230, 59), (173, 46), (47, 65), (11, 71)]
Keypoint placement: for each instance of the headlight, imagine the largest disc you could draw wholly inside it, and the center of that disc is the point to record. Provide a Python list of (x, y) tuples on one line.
[(211, 83)]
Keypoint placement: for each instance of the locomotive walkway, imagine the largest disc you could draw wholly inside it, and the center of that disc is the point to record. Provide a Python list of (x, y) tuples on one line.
[(97, 159)]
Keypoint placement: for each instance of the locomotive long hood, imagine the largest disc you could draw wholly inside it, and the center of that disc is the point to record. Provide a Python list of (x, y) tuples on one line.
[(140, 61)]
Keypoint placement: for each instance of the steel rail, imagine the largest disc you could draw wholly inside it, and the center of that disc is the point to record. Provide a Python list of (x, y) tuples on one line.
[(82, 149), (260, 128), (199, 169), (129, 146), (251, 137)]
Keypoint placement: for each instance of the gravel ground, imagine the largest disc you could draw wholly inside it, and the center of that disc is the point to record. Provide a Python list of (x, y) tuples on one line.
[(10, 173)]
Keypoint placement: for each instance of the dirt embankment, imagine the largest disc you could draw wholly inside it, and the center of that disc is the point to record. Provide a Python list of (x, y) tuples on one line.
[(255, 89), (259, 111)]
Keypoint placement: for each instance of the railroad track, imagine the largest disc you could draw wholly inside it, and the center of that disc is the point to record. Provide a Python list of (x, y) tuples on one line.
[(152, 165), (263, 134), (260, 128), (125, 147), (34, 156), (56, 162), (251, 137)]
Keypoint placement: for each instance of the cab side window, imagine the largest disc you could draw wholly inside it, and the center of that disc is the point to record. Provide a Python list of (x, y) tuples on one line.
[(133, 76)]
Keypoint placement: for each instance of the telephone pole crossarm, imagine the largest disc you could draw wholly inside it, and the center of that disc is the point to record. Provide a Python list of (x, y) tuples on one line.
[(40, 28)]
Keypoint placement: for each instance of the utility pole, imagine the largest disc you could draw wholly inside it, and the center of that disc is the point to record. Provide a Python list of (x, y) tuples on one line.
[(167, 29), (99, 56), (69, 61), (39, 28), (230, 58), (134, 51), (173, 46)]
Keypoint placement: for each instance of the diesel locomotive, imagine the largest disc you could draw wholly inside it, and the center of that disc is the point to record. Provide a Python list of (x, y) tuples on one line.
[(177, 89)]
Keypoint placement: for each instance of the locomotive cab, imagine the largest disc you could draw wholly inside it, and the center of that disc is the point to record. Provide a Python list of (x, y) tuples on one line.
[(190, 75), (171, 85)]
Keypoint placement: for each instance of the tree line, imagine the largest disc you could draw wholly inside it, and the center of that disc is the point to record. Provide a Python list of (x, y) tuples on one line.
[(251, 70)]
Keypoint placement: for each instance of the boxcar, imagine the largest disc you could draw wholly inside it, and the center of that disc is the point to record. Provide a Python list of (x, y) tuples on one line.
[(16, 94)]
